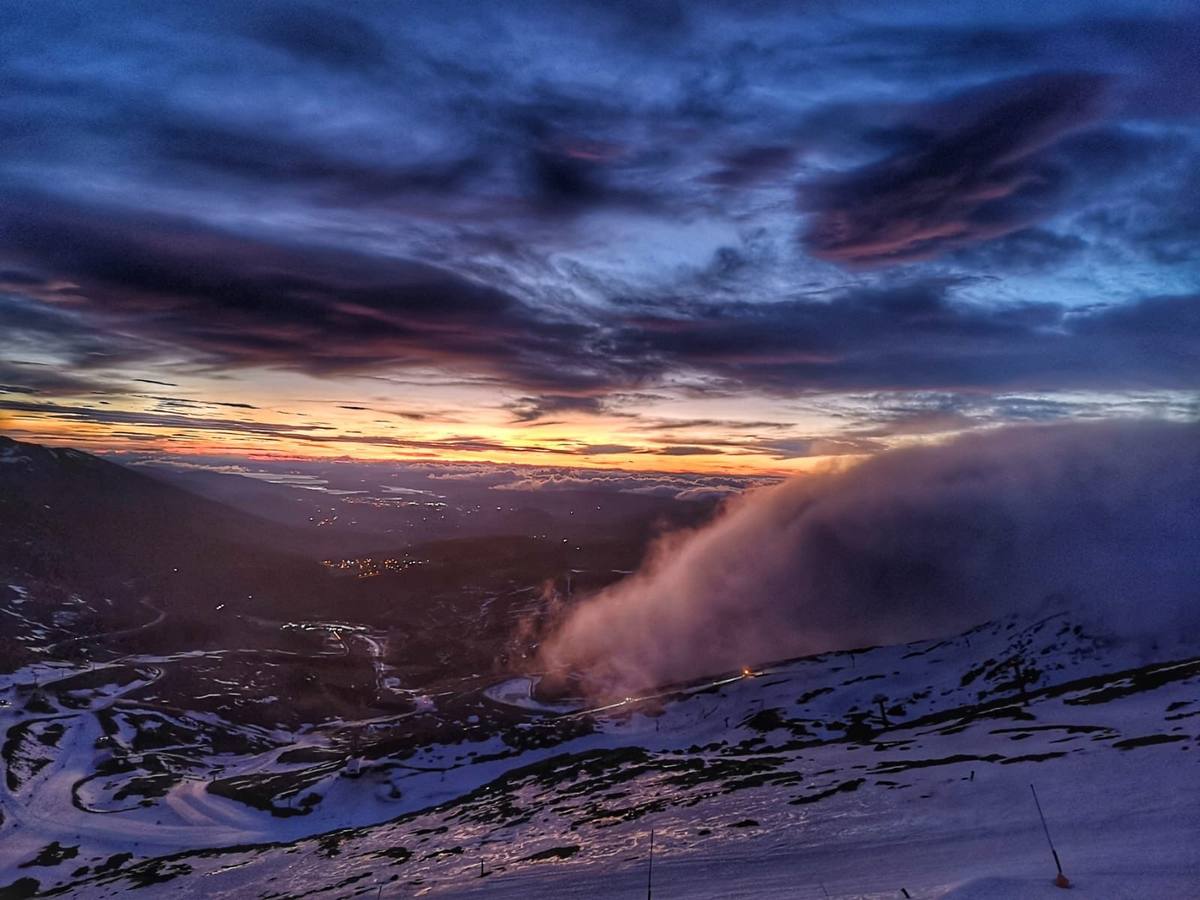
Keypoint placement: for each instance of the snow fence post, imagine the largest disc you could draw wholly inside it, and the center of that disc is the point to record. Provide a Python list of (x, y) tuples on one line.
[(650, 867), (1060, 880)]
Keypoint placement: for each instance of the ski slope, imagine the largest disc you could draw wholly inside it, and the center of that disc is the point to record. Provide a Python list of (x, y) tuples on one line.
[(860, 774)]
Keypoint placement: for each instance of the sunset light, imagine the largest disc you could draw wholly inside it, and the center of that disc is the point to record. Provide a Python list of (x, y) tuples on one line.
[(599, 449)]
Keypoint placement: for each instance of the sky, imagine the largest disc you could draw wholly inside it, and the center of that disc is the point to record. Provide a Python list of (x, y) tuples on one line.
[(717, 237)]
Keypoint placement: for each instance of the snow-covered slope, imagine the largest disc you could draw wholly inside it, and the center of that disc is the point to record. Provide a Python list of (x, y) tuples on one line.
[(860, 774)]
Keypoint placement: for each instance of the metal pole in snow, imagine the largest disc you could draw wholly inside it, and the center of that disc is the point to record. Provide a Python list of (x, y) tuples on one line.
[(650, 868), (1061, 880)]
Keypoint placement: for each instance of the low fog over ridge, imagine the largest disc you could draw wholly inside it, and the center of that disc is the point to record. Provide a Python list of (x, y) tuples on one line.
[(913, 543)]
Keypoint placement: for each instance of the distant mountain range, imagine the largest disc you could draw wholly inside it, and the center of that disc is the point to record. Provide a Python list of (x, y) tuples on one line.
[(86, 524), (121, 538)]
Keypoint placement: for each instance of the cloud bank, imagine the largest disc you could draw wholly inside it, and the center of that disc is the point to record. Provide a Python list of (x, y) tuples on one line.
[(985, 174), (913, 543)]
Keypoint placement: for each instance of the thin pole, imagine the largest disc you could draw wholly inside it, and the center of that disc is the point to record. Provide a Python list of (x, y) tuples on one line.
[(1046, 829), (650, 868)]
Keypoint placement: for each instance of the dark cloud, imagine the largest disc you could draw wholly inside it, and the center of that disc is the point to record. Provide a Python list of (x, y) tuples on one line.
[(978, 166), (566, 183), (1029, 250), (199, 404), (236, 300), (22, 377), (221, 153), (29, 324), (607, 449), (314, 33), (563, 170), (689, 450), (1153, 218), (1156, 325), (19, 280), (239, 300), (921, 337), (535, 409), (743, 167), (662, 425)]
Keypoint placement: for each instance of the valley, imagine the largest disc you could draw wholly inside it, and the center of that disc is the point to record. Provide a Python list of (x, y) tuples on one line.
[(405, 743)]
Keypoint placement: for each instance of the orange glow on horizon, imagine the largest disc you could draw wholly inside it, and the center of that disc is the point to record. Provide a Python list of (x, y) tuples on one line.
[(507, 447)]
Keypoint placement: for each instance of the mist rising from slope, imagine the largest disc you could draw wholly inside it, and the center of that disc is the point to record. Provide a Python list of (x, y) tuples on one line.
[(912, 543)]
